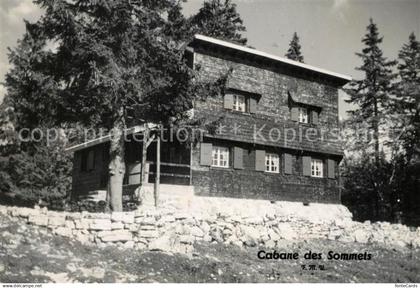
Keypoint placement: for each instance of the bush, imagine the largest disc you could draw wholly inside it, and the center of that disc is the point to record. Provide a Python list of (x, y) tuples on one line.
[(34, 172)]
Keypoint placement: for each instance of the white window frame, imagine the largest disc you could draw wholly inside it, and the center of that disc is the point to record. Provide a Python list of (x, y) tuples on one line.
[(220, 156), (272, 163), (239, 103), (317, 168), (303, 115)]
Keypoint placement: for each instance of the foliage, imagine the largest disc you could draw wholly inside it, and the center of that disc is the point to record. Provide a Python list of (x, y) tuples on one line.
[(362, 180), (386, 188), (407, 103), (112, 65), (372, 93), (31, 172), (294, 52), (219, 19)]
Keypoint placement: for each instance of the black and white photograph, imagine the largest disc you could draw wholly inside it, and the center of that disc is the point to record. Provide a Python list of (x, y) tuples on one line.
[(209, 141)]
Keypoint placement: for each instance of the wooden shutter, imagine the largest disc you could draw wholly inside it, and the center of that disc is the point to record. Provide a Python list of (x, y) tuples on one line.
[(205, 154), (238, 158), (314, 117), (306, 165), (252, 105), (228, 101), (288, 164), (295, 114), (331, 168), (260, 160), (90, 162)]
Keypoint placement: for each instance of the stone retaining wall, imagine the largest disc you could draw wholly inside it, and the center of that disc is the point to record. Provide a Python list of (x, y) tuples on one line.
[(175, 230)]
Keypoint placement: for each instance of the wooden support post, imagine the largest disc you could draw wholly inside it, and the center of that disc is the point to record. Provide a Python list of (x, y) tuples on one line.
[(143, 158), (157, 176)]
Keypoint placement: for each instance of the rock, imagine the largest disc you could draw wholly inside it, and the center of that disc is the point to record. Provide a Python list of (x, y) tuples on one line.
[(63, 231), (197, 232), (124, 217), (216, 234), (146, 221), (57, 221), (181, 216), (164, 243), (273, 235), (167, 219), (115, 236), (83, 224), (70, 224), (257, 220), (361, 236), (286, 231), (100, 225), (83, 238), (117, 226), (205, 227), (270, 244), (147, 227), (186, 239), (38, 220), (148, 233), (250, 236), (129, 245)]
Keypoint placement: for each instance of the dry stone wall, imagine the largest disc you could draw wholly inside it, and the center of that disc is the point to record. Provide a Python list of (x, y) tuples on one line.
[(177, 230)]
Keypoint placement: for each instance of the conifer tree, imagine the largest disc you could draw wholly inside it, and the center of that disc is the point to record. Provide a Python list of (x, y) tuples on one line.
[(372, 93), (408, 96), (294, 52), (116, 64), (219, 19)]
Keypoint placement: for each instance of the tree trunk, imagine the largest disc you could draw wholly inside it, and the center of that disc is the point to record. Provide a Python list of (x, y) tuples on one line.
[(116, 165), (376, 133)]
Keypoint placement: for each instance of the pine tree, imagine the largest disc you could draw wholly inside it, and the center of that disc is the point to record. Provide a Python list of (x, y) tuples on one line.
[(294, 52), (408, 96), (372, 93), (219, 19)]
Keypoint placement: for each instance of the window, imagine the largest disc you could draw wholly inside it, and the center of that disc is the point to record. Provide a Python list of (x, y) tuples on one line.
[(220, 157), (88, 161), (303, 115), (317, 167), (272, 163), (239, 103)]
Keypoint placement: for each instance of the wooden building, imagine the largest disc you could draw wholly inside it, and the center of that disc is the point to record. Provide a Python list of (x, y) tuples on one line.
[(277, 136)]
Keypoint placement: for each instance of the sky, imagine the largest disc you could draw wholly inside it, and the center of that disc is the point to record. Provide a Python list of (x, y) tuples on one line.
[(330, 30)]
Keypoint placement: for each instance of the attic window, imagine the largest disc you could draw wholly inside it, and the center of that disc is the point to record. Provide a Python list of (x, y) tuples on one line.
[(303, 115), (239, 103)]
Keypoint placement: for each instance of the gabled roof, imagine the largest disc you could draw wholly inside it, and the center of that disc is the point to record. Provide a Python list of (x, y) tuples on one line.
[(340, 78)]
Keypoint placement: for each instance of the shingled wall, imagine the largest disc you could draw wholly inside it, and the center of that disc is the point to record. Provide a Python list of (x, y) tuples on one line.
[(276, 89)]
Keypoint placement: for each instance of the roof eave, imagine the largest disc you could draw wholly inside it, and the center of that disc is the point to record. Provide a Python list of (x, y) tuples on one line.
[(340, 79)]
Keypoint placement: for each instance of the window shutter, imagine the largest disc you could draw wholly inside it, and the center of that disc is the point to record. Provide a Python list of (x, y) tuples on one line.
[(238, 158), (228, 101), (331, 168), (306, 165), (288, 164), (205, 154), (90, 165), (260, 160), (314, 118), (295, 114), (252, 105)]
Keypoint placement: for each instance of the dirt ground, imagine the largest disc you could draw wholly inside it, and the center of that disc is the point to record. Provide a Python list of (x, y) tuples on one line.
[(30, 254)]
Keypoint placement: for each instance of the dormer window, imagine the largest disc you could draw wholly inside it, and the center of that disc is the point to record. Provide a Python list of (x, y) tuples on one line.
[(239, 103), (303, 115)]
